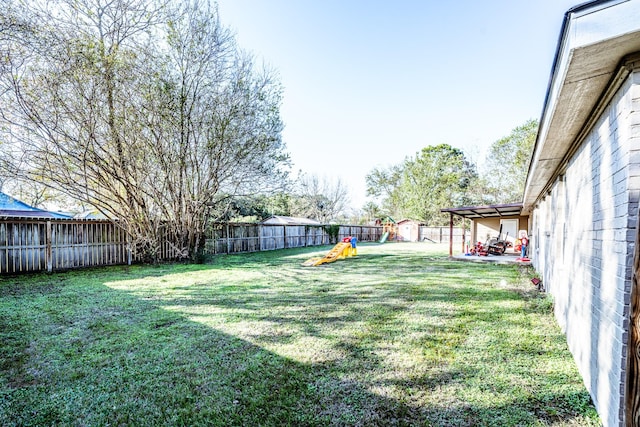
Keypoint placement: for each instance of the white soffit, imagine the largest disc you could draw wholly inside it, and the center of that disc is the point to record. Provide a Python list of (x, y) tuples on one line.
[(594, 42)]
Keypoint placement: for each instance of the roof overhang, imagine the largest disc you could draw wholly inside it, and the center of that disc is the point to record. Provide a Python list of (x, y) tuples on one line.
[(493, 211), (11, 213), (596, 38)]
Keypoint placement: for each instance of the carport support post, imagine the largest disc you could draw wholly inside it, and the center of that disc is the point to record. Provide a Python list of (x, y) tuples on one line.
[(464, 233), (450, 234)]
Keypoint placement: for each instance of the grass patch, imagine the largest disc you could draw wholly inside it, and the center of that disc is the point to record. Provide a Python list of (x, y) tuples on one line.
[(399, 335)]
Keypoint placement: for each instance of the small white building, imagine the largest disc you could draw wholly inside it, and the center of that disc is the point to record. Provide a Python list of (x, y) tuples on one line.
[(408, 230)]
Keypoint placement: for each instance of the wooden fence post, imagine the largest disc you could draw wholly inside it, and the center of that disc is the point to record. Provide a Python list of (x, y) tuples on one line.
[(128, 243), (284, 233), (49, 251), (227, 238)]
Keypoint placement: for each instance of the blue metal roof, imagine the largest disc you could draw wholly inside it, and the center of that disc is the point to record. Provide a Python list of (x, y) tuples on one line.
[(10, 206)]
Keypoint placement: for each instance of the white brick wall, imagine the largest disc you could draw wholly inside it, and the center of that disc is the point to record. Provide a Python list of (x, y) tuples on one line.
[(583, 236)]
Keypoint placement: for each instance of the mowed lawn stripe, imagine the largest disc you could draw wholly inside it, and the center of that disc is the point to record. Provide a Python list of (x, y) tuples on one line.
[(398, 335)]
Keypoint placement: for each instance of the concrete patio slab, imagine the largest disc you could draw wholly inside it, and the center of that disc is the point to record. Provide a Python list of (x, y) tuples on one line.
[(507, 258)]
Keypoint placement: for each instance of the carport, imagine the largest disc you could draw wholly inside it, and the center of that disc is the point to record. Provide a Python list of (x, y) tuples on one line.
[(487, 219)]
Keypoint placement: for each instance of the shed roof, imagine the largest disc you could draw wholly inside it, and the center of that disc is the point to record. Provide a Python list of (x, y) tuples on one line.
[(10, 206), (492, 211), (595, 38), (290, 220), (402, 221)]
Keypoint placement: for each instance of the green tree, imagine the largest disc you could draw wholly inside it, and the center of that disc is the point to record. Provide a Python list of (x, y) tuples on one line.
[(507, 164), (253, 208), (371, 212), (384, 184), (439, 176), (278, 203)]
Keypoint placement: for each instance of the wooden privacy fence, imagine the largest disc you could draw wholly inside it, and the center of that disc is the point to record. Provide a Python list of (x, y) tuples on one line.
[(237, 238), (441, 234), (28, 245), (36, 244)]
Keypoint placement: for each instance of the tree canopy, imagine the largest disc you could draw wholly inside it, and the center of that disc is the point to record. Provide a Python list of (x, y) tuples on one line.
[(438, 176), (442, 176), (507, 164)]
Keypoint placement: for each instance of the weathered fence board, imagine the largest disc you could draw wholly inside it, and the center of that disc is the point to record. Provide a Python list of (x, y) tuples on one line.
[(29, 245), (238, 238), (86, 244), (22, 246), (441, 234)]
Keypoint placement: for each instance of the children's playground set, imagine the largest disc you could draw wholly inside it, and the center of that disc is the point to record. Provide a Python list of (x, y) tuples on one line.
[(346, 248), (389, 229)]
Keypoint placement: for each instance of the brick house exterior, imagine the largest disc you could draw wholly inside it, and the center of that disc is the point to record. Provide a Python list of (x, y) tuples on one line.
[(582, 195)]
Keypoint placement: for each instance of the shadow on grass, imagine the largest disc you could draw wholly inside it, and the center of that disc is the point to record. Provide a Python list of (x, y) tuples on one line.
[(108, 358), (98, 347)]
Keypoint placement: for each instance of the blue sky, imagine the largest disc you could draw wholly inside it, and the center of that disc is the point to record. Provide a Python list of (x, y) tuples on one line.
[(368, 83)]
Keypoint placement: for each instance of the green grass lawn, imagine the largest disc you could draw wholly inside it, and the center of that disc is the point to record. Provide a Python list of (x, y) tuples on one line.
[(396, 336)]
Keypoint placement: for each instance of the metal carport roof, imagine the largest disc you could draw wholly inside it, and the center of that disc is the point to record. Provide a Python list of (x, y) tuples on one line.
[(492, 211)]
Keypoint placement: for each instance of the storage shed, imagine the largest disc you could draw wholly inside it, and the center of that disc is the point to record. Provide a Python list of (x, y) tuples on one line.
[(408, 230)]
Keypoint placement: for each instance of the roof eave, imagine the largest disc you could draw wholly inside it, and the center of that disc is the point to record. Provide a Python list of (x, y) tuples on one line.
[(583, 68)]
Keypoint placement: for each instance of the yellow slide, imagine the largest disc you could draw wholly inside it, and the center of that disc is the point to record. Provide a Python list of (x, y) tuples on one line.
[(339, 251)]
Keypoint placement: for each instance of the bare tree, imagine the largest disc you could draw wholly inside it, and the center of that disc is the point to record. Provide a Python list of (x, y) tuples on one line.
[(320, 198), (145, 110)]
